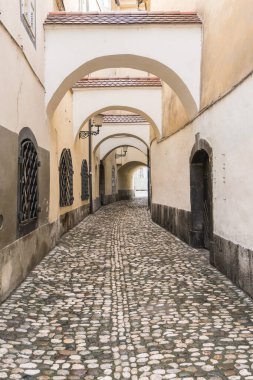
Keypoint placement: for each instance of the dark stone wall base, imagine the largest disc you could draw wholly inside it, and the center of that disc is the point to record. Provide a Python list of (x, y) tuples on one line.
[(172, 219), (107, 199), (126, 195), (229, 258), (20, 257), (234, 261), (104, 200), (72, 218), (96, 204)]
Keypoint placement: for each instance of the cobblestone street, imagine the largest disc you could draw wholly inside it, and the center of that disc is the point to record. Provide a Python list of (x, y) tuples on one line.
[(121, 298)]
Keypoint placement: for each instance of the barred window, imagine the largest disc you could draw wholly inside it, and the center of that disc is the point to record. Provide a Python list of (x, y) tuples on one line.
[(28, 187), (85, 181), (66, 179), (113, 180)]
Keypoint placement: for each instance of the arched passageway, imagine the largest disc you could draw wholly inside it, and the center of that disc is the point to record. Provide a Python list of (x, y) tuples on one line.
[(201, 199), (126, 179), (143, 101), (114, 140), (141, 182), (83, 51)]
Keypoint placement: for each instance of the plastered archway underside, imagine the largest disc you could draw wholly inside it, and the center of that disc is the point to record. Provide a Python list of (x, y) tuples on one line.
[(149, 120), (120, 135), (133, 62)]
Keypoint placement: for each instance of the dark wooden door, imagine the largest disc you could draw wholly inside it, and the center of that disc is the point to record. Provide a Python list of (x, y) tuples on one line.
[(201, 203), (197, 199)]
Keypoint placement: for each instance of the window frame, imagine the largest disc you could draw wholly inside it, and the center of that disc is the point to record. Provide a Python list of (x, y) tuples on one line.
[(25, 19), (84, 181), (28, 225), (66, 198)]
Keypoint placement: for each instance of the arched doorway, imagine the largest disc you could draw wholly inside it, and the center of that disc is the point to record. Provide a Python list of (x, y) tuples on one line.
[(201, 233)]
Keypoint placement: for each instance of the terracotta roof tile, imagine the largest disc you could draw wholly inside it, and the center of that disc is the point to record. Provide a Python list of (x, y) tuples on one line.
[(118, 82), (124, 119), (122, 18)]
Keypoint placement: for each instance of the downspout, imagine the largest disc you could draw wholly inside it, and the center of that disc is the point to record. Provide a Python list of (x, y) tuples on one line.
[(149, 187), (90, 168)]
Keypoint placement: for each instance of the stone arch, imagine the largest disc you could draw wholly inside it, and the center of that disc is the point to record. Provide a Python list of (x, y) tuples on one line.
[(201, 144), (133, 164), (121, 146), (118, 135), (131, 61), (125, 176), (122, 108)]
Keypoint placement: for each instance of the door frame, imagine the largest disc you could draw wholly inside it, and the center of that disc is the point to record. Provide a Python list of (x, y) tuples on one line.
[(196, 236)]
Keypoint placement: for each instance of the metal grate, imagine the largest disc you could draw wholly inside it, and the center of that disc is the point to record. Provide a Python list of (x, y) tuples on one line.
[(113, 180), (85, 181), (28, 182), (66, 179)]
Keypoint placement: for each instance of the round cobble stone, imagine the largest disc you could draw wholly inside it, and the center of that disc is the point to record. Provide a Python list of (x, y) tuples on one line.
[(121, 298)]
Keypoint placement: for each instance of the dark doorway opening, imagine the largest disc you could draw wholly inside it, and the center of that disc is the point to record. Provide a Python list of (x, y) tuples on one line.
[(201, 200)]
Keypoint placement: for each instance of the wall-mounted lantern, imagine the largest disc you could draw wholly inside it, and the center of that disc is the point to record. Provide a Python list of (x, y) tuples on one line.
[(125, 148), (95, 121)]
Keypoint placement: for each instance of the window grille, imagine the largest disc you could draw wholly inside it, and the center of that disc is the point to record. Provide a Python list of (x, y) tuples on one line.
[(66, 179), (29, 17), (85, 181), (28, 184), (113, 180)]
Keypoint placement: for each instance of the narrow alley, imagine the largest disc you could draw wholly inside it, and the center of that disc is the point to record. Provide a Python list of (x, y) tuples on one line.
[(121, 298)]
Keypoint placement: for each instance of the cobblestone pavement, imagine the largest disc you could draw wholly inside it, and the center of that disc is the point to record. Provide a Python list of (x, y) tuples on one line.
[(121, 298)]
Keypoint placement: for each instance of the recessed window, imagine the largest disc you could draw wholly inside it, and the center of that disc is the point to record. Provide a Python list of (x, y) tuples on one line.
[(85, 181), (66, 179), (28, 15), (1, 221), (28, 187), (113, 180)]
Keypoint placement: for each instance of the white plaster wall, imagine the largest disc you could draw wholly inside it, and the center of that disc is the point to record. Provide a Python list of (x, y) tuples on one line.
[(84, 49), (22, 93), (120, 73), (173, 5), (228, 128), (10, 17), (87, 5), (146, 101)]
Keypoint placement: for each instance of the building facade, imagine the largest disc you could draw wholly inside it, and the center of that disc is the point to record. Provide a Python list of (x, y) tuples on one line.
[(177, 93)]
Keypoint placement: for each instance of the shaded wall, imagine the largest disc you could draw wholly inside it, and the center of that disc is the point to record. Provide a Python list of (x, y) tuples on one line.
[(227, 128)]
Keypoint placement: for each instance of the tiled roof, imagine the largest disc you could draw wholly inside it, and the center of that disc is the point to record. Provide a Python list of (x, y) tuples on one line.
[(124, 119), (118, 82), (122, 18)]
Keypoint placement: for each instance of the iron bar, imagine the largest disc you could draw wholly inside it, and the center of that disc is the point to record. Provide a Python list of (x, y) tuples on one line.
[(149, 184)]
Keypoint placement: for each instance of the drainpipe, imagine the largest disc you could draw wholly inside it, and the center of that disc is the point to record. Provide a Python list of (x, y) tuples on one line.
[(90, 168), (148, 162)]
